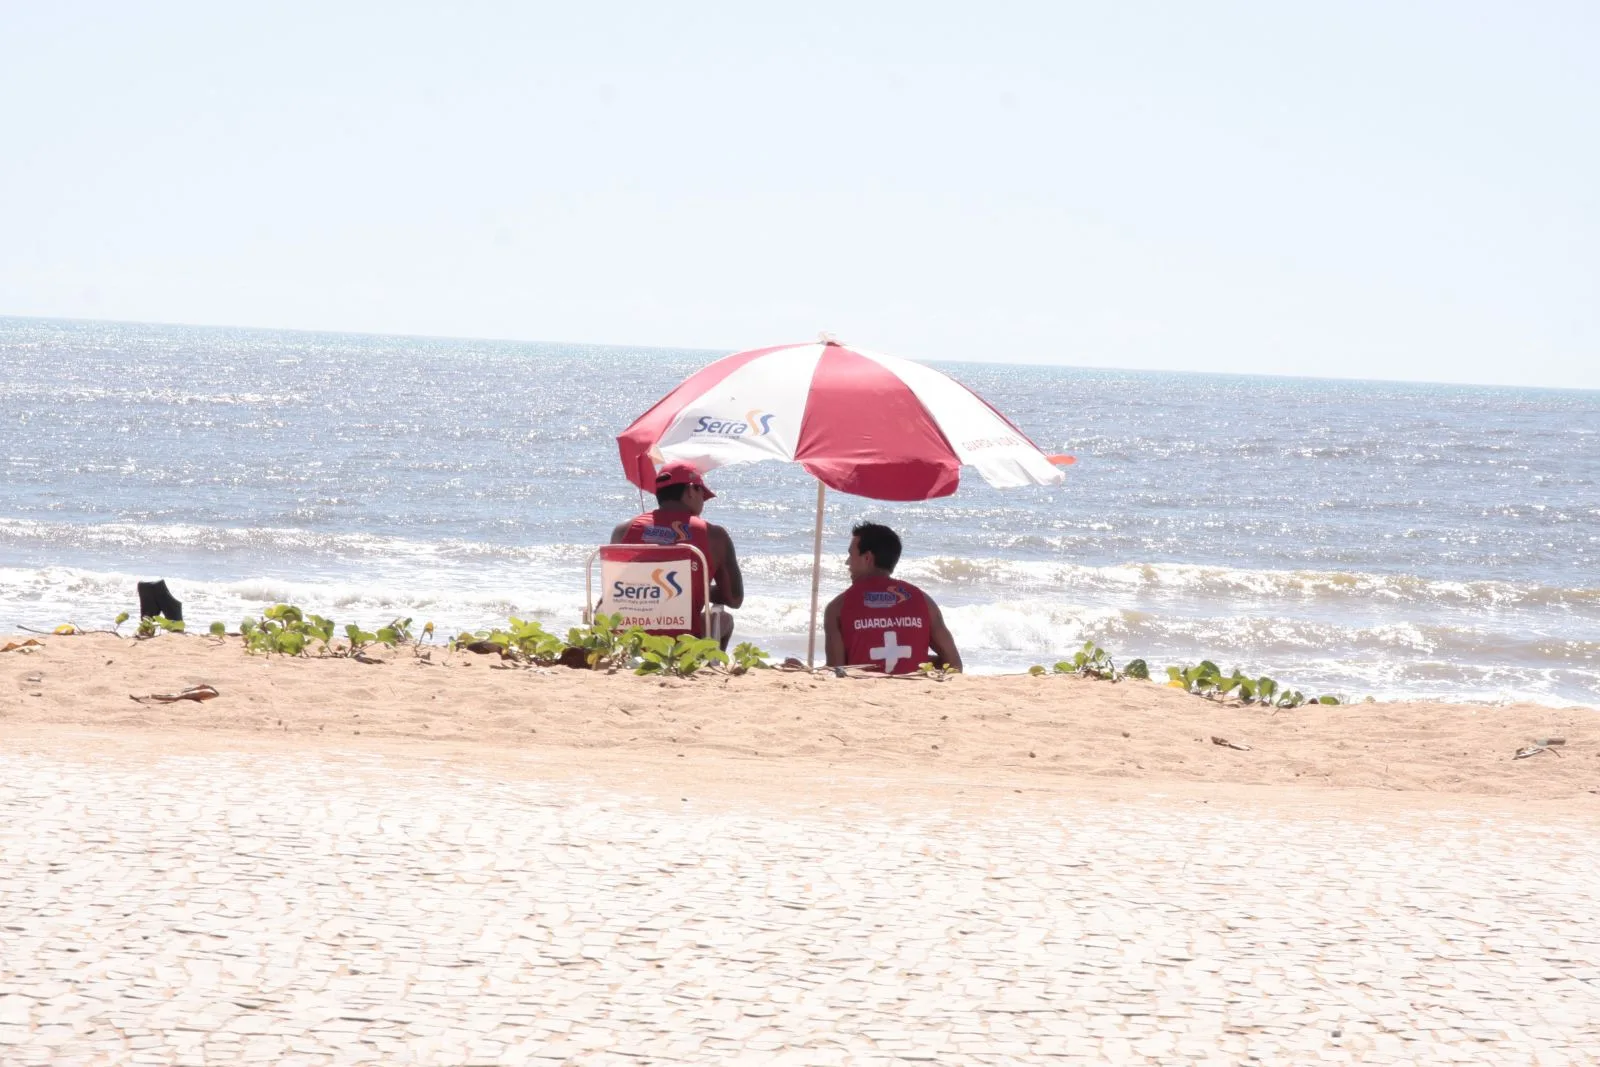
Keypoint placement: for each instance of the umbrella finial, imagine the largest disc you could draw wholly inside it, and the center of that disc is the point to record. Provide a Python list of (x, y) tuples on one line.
[(826, 338)]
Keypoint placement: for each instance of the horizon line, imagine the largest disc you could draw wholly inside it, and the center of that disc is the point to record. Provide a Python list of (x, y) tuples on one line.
[(720, 352)]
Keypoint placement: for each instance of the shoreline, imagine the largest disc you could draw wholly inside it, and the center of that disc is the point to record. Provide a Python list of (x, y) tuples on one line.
[(1048, 732), (778, 650), (1355, 634)]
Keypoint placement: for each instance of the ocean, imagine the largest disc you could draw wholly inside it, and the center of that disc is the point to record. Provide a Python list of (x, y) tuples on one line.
[(1360, 538)]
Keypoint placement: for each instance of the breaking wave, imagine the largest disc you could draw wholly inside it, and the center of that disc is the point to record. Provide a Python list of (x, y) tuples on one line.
[(1404, 659), (1158, 580)]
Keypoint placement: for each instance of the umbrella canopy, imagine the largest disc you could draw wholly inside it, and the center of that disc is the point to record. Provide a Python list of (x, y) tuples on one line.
[(861, 422)]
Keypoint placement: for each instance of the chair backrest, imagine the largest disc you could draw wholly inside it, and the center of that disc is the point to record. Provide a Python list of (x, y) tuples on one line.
[(664, 589)]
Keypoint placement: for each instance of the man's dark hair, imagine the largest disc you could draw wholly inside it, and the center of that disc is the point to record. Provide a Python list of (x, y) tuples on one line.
[(669, 493), (882, 542)]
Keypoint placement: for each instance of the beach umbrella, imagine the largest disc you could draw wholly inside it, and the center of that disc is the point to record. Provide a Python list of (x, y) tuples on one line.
[(860, 422)]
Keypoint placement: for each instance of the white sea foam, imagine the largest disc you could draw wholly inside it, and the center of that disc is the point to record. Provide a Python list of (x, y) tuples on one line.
[(990, 577), (1000, 577), (48, 597), (1388, 660)]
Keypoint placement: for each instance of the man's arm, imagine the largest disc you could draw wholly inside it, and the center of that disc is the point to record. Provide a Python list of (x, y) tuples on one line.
[(832, 636), (620, 532), (728, 588), (940, 643)]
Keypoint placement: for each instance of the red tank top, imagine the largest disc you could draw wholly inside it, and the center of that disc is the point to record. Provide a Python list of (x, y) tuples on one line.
[(662, 527), (886, 625)]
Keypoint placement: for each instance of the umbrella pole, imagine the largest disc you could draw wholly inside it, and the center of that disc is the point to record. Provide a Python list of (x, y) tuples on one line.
[(816, 579)]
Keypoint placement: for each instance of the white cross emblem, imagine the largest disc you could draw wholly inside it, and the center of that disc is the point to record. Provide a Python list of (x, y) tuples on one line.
[(890, 652)]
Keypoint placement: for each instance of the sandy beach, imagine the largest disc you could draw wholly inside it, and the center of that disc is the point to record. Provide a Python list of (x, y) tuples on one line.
[(1054, 728), (443, 862)]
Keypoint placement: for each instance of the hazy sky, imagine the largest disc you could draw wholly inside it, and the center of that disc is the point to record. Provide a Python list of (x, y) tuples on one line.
[(1396, 190)]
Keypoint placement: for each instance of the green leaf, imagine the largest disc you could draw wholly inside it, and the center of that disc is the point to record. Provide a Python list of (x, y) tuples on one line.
[(122, 618), (218, 630), (1036, 670), (748, 656)]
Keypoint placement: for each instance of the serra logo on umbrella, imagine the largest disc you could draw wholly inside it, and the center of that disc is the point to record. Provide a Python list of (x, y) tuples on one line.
[(858, 421), (756, 422)]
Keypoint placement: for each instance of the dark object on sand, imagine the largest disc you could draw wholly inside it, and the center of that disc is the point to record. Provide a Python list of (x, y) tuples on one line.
[(196, 693), (156, 599)]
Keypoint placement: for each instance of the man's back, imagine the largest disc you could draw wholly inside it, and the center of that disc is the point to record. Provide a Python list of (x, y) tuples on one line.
[(885, 624)]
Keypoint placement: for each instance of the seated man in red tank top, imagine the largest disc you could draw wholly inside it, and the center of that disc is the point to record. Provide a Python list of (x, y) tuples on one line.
[(680, 497), (881, 622)]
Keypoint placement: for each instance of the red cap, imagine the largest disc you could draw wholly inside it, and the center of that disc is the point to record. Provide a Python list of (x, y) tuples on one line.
[(681, 473)]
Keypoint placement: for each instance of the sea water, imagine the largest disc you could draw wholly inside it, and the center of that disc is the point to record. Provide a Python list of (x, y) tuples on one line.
[(1398, 540)]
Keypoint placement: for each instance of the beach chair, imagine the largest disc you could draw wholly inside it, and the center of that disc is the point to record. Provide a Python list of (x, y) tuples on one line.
[(664, 589)]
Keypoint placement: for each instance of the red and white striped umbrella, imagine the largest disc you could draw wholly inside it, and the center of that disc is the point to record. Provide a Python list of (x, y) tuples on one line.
[(864, 423)]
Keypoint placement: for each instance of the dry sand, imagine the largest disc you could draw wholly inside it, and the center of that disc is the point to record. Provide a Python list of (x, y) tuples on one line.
[(1012, 730)]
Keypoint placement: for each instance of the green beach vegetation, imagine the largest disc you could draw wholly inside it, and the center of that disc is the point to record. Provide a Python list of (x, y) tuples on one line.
[(1202, 679), (605, 644), (1206, 679)]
